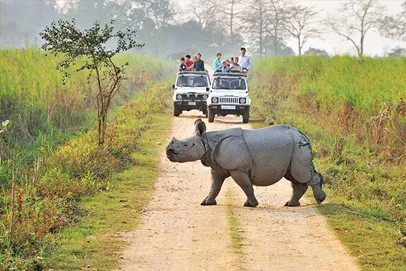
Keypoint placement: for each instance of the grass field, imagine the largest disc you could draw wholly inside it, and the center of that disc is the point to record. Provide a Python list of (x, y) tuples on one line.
[(354, 112), (96, 241), (52, 147), (45, 112)]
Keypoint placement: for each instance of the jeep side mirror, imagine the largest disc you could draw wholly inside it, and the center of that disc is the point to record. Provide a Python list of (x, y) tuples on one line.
[(173, 86), (207, 89)]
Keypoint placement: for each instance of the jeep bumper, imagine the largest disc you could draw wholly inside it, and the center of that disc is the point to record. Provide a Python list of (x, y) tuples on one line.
[(229, 109), (191, 104)]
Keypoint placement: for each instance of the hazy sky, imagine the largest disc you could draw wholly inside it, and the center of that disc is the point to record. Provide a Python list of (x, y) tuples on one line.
[(332, 43)]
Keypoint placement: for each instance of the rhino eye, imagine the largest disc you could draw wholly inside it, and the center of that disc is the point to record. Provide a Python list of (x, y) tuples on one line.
[(193, 144)]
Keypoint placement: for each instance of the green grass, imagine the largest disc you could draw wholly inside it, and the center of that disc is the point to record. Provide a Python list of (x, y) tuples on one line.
[(353, 113), (234, 226), (94, 241), (370, 238), (45, 112), (76, 172)]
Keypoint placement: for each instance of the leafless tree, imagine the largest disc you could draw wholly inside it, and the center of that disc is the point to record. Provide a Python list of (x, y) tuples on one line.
[(278, 14), (358, 17), (256, 22), (231, 10), (301, 25), (205, 12), (395, 26)]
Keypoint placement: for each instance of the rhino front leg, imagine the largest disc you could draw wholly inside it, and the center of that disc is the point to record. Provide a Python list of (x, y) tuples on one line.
[(243, 180), (217, 181)]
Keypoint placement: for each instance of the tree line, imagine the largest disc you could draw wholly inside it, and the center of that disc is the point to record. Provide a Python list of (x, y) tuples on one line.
[(209, 26)]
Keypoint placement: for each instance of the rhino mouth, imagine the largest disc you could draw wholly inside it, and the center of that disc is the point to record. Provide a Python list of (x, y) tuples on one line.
[(171, 155)]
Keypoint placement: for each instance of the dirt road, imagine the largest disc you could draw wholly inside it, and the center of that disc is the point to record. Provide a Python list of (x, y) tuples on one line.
[(179, 234)]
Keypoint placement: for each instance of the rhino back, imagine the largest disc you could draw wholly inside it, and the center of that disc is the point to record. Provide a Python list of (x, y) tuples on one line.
[(271, 150)]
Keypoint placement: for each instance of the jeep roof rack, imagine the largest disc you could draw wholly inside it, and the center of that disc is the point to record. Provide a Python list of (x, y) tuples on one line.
[(194, 72), (236, 74)]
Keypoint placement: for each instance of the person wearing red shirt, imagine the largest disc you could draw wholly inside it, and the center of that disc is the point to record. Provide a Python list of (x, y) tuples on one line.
[(189, 63)]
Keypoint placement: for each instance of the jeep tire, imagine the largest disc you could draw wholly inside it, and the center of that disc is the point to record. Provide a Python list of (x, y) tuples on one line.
[(205, 112), (246, 117), (210, 115), (177, 111)]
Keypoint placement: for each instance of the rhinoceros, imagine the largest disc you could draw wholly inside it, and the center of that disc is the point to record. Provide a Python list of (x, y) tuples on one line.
[(259, 157)]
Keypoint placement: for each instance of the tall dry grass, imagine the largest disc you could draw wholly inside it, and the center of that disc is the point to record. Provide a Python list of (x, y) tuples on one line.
[(365, 98), (44, 111), (354, 113)]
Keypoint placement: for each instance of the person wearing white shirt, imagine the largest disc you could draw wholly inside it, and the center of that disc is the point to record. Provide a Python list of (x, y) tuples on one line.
[(245, 61)]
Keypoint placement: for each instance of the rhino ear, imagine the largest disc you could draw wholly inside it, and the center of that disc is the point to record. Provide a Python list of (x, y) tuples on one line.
[(200, 127)]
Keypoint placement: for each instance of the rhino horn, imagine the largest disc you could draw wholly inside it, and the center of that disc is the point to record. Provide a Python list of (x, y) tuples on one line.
[(200, 127)]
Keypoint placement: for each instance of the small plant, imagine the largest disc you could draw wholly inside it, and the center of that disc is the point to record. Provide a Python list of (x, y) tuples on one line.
[(89, 47), (5, 126)]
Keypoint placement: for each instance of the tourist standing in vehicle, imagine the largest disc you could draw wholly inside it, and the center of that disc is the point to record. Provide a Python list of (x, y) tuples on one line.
[(182, 65), (199, 63), (189, 63), (245, 61), (217, 62)]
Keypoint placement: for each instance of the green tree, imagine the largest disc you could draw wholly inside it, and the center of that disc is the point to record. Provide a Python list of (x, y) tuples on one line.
[(315, 52), (394, 26), (89, 46), (21, 20), (397, 52)]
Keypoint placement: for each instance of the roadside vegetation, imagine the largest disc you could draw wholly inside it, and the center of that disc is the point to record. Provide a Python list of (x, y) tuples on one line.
[(354, 112), (50, 162)]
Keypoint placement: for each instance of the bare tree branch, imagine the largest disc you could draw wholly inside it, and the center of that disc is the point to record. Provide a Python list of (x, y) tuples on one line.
[(301, 25), (359, 16)]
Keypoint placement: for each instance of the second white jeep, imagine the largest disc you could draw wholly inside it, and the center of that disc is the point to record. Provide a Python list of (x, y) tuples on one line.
[(229, 96)]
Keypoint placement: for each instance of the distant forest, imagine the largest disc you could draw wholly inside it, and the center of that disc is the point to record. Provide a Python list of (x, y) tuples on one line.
[(207, 26)]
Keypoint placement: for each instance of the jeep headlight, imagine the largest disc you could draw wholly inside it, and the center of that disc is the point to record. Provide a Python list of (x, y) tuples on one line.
[(214, 100), (243, 100), (205, 97), (179, 97)]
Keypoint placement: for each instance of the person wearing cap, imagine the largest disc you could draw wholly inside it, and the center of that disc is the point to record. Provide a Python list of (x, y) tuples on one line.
[(245, 61), (217, 62)]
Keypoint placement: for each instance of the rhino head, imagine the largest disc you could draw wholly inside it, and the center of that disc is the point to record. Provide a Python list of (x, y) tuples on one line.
[(189, 149)]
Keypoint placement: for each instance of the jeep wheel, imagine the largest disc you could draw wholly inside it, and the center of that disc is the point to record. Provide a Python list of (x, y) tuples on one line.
[(177, 111), (246, 117), (210, 115), (205, 112)]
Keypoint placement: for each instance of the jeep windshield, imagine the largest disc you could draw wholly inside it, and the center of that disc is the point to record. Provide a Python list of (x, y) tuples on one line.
[(192, 81), (229, 83)]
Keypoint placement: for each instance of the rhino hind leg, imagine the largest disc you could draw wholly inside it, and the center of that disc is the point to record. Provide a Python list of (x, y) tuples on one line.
[(317, 183), (302, 168), (244, 181), (298, 191)]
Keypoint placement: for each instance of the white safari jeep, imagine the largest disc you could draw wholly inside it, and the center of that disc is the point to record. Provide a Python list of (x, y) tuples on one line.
[(229, 95), (191, 92)]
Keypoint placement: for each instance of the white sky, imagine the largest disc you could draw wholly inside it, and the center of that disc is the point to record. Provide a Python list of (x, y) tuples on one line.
[(332, 43)]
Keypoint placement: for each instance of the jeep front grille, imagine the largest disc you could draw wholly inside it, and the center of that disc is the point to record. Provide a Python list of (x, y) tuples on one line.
[(229, 100)]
